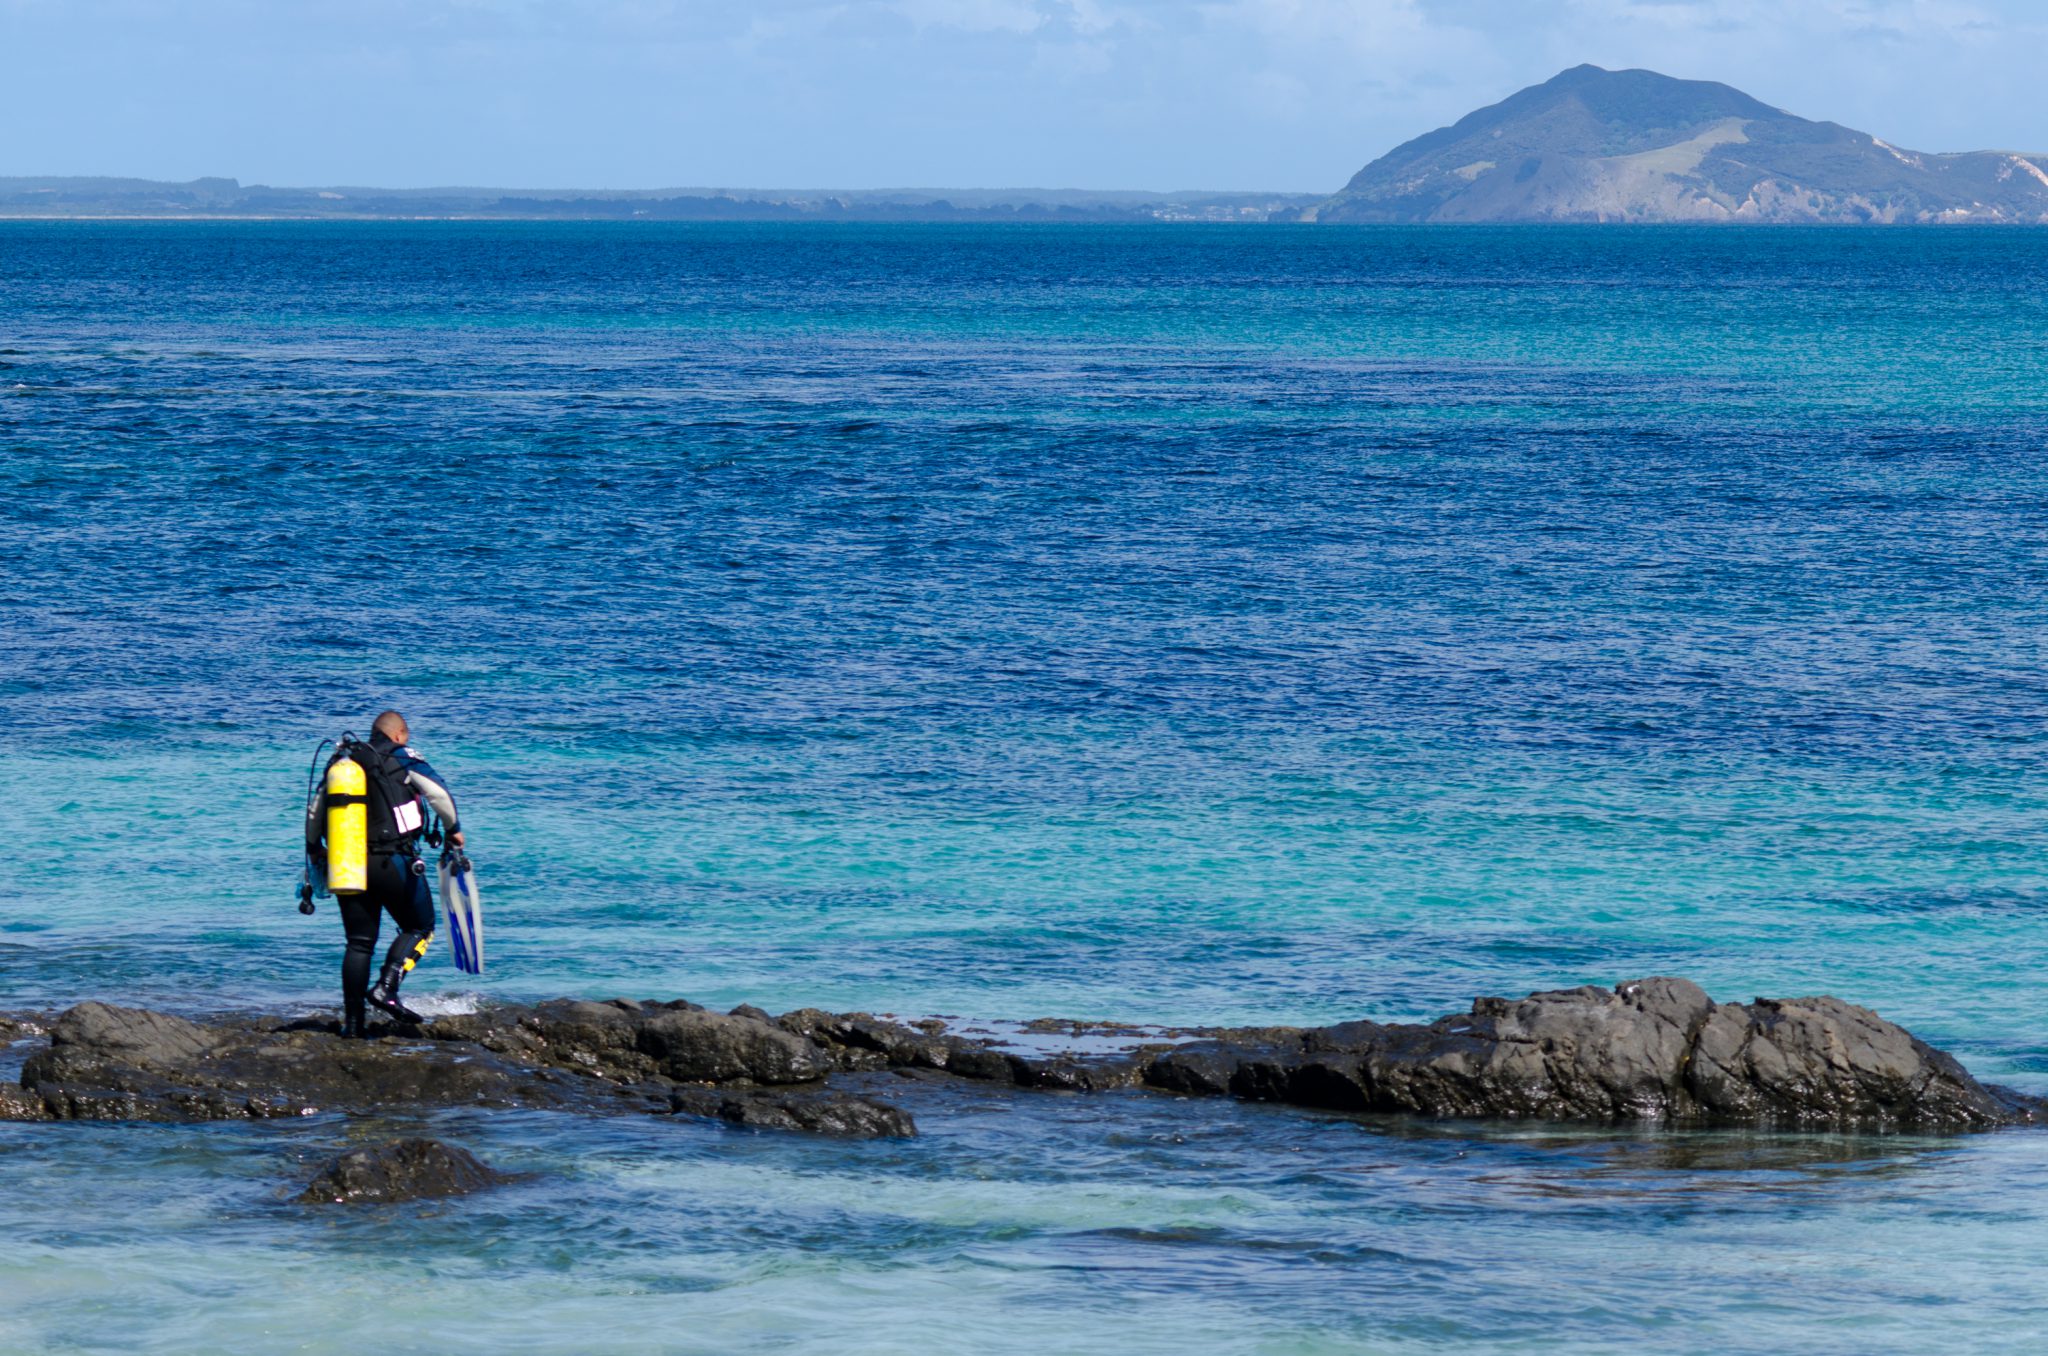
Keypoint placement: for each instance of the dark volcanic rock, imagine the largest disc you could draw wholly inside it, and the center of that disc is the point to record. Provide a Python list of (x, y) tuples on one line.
[(16, 1105), (400, 1170), (1654, 1049), (1821, 1059), (860, 1041), (95, 1035), (602, 1037), (110, 1063), (820, 1113), (708, 1047)]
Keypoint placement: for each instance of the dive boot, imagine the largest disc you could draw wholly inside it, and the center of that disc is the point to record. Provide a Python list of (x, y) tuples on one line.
[(404, 954), (383, 996)]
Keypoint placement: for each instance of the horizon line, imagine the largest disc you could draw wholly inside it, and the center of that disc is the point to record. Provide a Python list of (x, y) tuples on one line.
[(687, 190)]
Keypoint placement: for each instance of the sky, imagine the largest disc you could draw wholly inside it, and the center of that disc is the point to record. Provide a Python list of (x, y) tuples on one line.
[(1288, 95)]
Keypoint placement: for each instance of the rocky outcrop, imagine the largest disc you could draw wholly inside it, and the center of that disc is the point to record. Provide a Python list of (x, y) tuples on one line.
[(400, 1170), (111, 1063), (1654, 1049)]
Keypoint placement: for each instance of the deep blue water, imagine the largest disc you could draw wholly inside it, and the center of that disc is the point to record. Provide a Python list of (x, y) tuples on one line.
[(1174, 624)]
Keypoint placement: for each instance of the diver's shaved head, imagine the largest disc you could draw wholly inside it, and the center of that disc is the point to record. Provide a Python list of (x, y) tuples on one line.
[(392, 726)]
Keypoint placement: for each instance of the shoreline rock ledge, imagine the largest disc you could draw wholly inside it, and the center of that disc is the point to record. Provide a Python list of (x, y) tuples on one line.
[(1652, 1050)]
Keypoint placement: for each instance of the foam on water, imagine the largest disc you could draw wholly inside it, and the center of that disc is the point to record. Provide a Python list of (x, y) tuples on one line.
[(428, 1003)]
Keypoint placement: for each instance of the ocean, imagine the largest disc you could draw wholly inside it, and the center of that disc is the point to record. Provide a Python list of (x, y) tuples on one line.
[(1161, 624)]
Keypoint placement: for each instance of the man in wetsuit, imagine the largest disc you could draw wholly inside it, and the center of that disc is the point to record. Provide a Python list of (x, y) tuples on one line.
[(399, 780)]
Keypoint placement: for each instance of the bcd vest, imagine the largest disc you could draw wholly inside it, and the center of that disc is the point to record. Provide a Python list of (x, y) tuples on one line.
[(396, 818)]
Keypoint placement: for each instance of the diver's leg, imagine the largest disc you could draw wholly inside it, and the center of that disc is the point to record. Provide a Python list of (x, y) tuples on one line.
[(360, 919), (412, 908), (420, 902)]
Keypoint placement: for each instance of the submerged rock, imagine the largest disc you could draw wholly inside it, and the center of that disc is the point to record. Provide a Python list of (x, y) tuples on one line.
[(400, 1170), (1656, 1049)]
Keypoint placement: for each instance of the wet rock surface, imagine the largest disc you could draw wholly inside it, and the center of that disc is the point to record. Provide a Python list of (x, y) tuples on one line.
[(16, 1105), (816, 1113), (400, 1170), (111, 1063), (1654, 1049)]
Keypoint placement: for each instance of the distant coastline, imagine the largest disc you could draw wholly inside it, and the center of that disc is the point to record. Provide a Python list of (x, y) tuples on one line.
[(103, 199), (1588, 146)]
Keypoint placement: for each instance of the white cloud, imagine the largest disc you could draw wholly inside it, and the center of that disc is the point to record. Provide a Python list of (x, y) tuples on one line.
[(973, 16)]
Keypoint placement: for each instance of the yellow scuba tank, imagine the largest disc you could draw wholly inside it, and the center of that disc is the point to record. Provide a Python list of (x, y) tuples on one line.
[(348, 828)]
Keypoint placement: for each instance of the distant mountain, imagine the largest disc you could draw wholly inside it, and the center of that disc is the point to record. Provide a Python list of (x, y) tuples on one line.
[(201, 199), (1598, 145)]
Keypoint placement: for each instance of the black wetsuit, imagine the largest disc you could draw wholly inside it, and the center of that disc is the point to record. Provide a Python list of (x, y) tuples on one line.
[(396, 889), (397, 878)]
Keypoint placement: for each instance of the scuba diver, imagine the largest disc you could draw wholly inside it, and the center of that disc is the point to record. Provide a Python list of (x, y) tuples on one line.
[(393, 782)]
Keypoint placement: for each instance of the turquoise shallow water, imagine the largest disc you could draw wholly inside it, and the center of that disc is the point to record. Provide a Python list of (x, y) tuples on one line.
[(1179, 625)]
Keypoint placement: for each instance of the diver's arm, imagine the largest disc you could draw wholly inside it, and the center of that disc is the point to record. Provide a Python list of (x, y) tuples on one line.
[(435, 793)]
